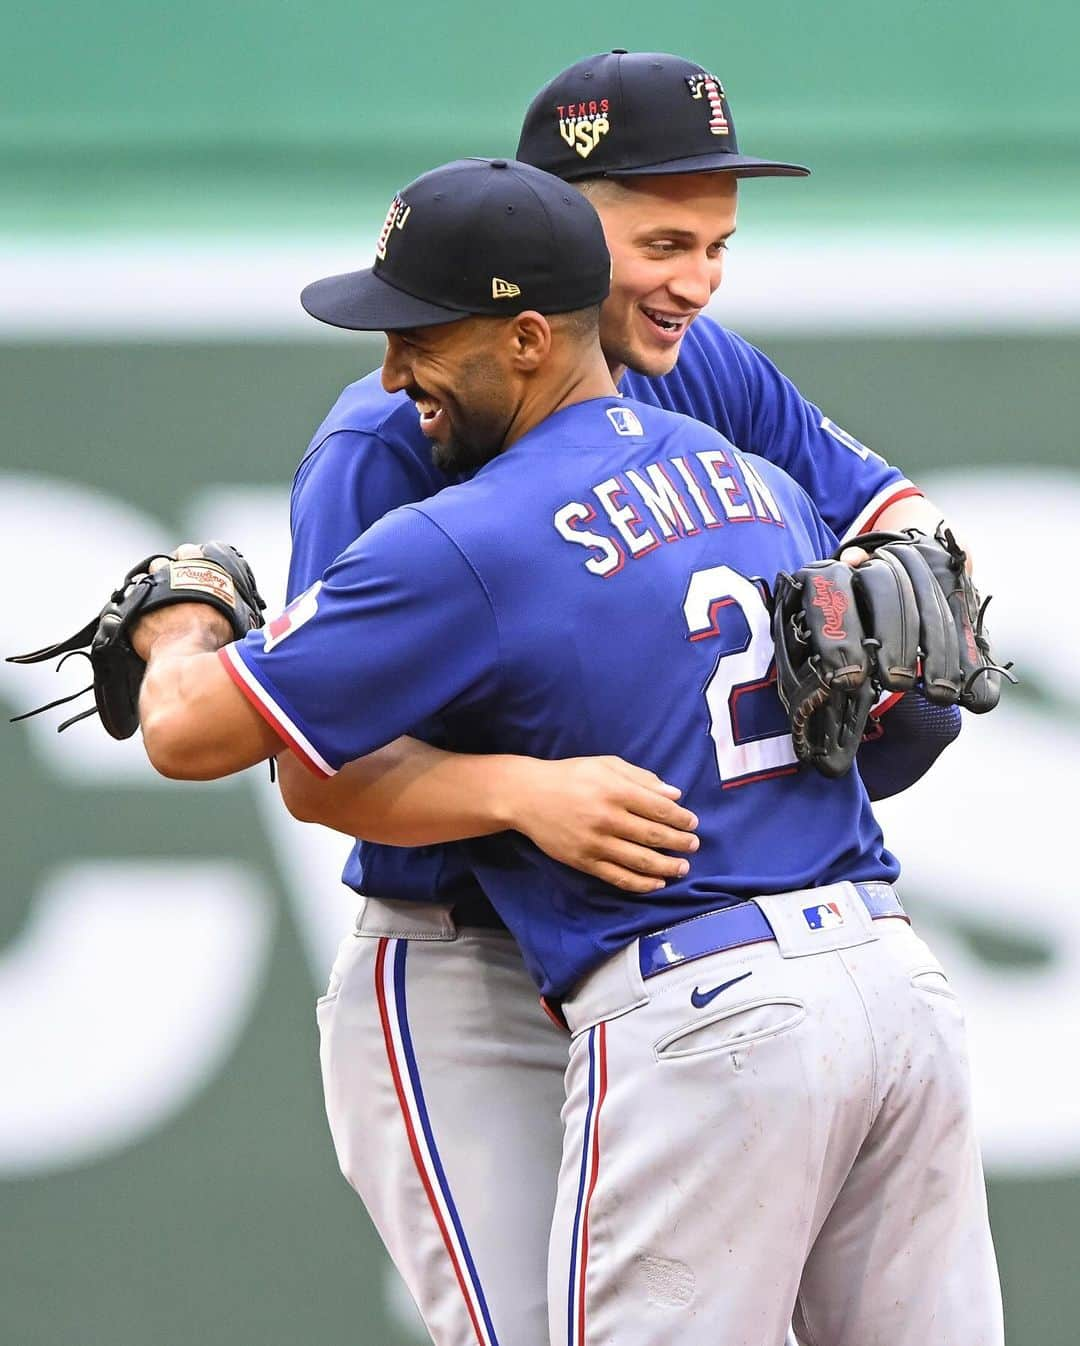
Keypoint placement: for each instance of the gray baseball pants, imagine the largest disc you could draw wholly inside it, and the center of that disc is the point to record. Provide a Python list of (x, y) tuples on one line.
[(444, 1082), (773, 1133)]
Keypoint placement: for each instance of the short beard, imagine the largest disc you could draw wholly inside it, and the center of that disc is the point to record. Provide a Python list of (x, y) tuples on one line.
[(483, 439), (461, 457)]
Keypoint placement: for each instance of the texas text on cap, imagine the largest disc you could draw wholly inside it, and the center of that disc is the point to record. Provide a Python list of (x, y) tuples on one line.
[(478, 236), (622, 114)]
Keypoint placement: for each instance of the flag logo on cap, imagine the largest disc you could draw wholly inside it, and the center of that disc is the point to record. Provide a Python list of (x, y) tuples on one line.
[(396, 216), (583, 125), (504, 289), (710, 88)]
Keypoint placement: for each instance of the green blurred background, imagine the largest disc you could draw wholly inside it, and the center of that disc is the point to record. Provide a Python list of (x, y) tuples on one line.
[(168, 180)]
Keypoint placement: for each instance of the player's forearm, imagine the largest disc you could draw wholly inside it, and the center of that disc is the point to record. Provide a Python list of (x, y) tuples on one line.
[(601, 815), (914, 511), (407, 794), (194, 725)]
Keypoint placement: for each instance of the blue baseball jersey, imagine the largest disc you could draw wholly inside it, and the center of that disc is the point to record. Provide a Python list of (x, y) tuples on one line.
[(594, 589), (369, 456)]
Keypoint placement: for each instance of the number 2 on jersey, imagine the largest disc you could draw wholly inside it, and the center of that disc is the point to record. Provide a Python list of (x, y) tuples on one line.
[(748, 746)]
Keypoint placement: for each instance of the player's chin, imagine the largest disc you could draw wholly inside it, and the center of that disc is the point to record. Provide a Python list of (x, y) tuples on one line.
[(653, 363)]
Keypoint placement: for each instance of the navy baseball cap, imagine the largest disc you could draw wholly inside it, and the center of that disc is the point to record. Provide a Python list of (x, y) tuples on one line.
[(632, 113), (475, 237)]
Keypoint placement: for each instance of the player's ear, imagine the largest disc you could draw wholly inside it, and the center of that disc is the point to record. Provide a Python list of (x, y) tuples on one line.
[(531, 340)]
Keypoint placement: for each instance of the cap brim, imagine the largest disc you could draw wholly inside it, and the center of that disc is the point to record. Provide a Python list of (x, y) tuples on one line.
[(741, 165), (363, 302)]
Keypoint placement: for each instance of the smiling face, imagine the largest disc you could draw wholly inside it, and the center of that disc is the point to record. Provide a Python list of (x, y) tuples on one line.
[(456, 376), (667, 236), (479, 384)]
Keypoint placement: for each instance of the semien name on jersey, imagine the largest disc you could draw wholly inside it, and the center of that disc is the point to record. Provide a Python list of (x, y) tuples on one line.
[(665, 502)]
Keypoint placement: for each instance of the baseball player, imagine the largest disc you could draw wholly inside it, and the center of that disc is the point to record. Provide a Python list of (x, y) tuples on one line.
[(767, 1105), (640, 133)]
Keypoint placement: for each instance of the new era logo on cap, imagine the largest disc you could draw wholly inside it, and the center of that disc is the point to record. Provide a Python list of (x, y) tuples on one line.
[(504, 289), (827, 916)]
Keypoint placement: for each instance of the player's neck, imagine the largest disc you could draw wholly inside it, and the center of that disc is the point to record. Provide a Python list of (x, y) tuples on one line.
[(579, 381)]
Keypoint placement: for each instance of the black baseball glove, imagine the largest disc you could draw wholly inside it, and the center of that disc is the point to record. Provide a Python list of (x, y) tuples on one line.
[(954, 645), (823, 663), (907, 618), (220, 577)]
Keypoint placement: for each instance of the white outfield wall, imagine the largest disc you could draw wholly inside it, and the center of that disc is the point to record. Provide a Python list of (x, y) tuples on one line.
[(249, 287)]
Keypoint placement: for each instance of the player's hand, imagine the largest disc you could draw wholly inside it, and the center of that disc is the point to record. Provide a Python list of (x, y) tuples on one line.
[(605, 817)]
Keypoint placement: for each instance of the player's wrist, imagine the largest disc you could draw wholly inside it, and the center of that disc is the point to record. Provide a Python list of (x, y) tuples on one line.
[(182, 628), (509, 782)]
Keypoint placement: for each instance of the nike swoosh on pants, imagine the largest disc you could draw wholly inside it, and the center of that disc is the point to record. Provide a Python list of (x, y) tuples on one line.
[(699, 999)]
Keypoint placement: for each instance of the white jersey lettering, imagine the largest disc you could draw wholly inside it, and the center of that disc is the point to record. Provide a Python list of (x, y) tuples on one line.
[(726, 487), (765, 506), (735, 492), (696, 493), (624, 517), (663, 501), (611, 555)]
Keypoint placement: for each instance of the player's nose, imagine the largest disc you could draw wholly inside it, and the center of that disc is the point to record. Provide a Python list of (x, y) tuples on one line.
[(695, 280), (396, 374)]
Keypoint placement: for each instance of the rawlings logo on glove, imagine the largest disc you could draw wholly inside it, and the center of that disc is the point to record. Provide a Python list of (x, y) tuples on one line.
[(833, 604)]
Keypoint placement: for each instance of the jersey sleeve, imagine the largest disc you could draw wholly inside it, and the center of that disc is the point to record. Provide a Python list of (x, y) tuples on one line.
[(850, 484), (904, 739), (347, 482), (399, 628)]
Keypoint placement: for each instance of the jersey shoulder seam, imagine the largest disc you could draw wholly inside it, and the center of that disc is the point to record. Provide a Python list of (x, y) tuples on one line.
[(314, 448), (305, 464), (416, 509)]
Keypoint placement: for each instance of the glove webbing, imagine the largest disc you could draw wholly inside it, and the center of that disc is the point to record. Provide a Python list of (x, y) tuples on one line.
[(76, 645)]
